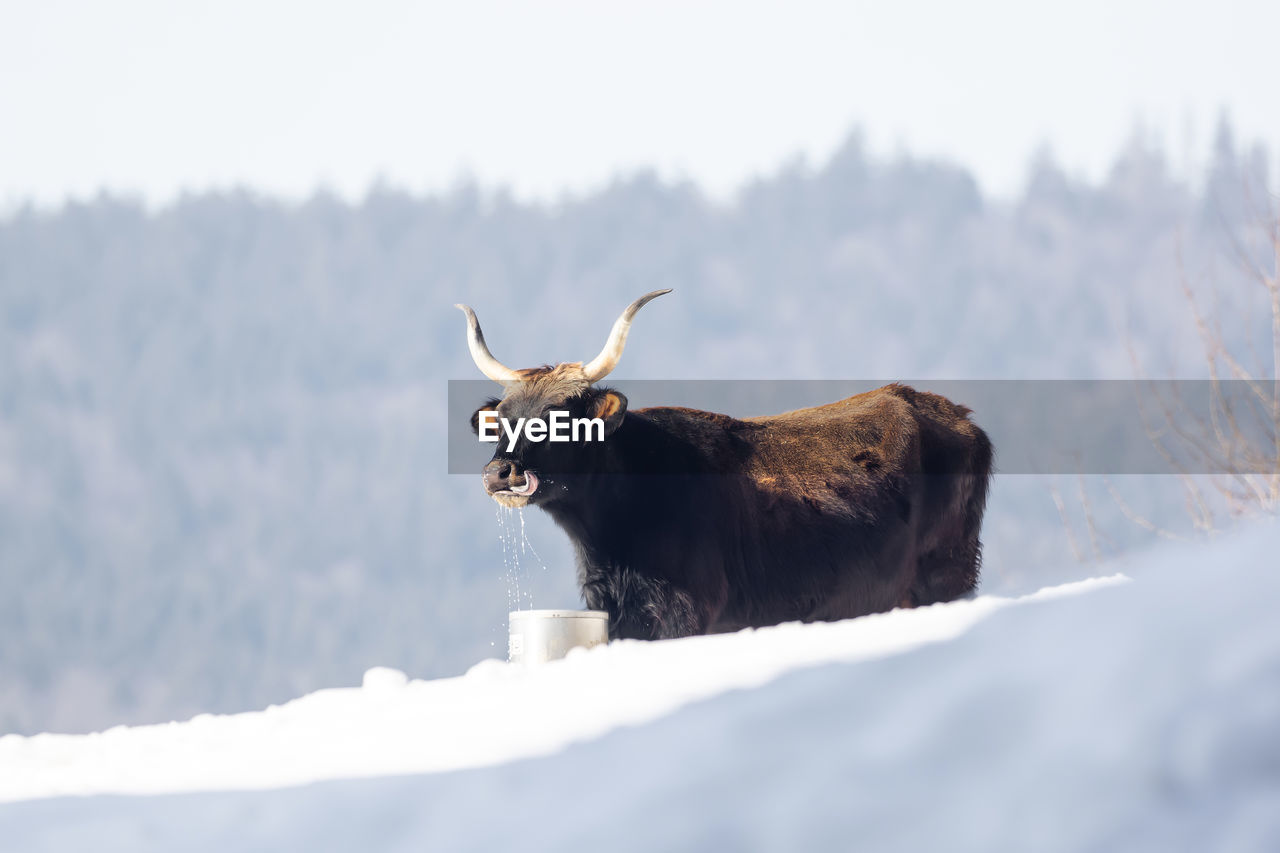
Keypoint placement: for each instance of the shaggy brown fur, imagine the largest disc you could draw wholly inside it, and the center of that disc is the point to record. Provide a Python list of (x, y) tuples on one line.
[(687, 521)]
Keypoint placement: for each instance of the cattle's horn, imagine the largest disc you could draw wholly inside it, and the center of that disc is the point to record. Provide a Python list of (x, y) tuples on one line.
[(489, 366), (600, 366)]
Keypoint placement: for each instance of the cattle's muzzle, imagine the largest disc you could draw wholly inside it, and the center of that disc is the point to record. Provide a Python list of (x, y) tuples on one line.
[(507, 484)]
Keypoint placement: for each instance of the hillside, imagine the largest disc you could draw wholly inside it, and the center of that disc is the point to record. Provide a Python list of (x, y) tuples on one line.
[(1101, 715), (222, 423)]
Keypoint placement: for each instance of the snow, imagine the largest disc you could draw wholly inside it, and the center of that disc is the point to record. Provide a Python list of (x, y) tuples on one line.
[(1099, 715), (496, 713), (383, 679)]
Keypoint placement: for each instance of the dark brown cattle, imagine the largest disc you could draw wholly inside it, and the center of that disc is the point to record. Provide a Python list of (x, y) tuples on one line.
[(688, 522)]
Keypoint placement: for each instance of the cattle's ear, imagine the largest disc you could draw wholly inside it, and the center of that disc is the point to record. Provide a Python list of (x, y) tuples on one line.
[(609, 406), (490, 405)]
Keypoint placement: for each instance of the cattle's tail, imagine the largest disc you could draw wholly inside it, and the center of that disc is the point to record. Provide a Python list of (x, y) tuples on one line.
[(957, 463)]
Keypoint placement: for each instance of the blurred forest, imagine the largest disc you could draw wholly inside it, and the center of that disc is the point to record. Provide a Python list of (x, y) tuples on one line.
[(222, 452)]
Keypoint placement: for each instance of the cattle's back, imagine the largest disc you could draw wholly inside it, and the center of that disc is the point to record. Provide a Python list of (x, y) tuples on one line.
[(833, 452), (857, 442)]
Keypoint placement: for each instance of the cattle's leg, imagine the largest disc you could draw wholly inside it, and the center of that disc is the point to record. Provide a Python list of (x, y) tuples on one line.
[(950, 564), (644, 608), (945, 576), (951, 568)]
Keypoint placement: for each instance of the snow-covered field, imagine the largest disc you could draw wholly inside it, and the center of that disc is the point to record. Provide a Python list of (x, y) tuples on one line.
[(1100, 715), (496, 713)]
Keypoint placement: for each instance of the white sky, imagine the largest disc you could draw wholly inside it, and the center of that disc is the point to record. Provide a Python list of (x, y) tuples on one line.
[(157, 97)]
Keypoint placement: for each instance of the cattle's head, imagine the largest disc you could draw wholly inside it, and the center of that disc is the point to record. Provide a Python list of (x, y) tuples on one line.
[(530, 471)]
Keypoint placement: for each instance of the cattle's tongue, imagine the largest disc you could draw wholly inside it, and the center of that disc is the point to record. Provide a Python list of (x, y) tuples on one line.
[(530, 484)]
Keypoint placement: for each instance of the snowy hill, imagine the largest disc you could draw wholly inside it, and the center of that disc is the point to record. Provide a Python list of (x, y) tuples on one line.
[(1094, 716), (223, 423)]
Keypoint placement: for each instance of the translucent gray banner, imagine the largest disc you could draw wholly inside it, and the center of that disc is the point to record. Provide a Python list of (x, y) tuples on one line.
[(1036, 426)]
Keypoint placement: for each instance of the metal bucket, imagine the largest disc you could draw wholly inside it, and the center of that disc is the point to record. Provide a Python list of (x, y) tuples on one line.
[(538, 636)]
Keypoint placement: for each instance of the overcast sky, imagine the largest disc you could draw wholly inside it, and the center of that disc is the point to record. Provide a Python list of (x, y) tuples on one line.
[(155, 97)]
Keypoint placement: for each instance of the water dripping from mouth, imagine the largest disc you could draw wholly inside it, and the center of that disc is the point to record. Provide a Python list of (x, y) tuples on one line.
[(527, 546), (519, 589)]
